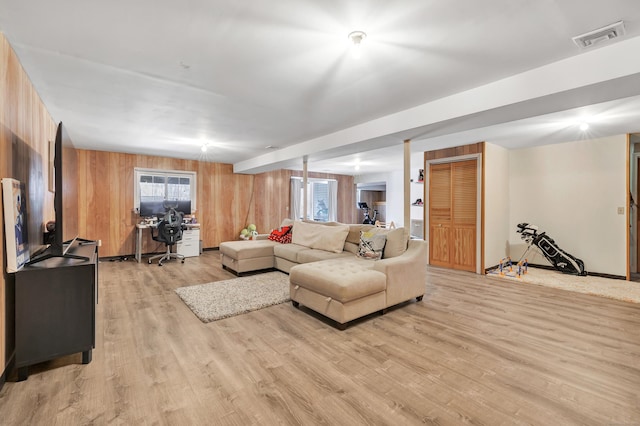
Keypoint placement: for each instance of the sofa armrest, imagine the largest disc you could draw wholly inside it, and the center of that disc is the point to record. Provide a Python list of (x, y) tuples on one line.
[(406, 274)]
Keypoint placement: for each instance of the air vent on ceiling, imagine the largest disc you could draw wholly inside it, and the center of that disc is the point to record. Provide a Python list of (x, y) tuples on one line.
[(601, 34)]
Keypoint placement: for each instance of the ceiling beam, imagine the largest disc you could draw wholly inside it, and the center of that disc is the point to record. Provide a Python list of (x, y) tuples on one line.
[(573, 82)]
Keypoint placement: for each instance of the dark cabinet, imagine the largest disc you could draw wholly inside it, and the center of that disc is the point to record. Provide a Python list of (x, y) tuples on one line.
[(55, 308)]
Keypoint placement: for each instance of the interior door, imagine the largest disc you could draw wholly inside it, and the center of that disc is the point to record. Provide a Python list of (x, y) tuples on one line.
[(440, 215), (453, 214), (637, 217)]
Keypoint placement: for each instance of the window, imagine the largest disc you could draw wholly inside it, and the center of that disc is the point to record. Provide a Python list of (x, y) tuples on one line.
[(322, 199), (156, 186)]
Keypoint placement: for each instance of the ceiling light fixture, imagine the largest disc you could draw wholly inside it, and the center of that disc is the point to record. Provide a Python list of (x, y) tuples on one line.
[(356, 38), (203, 148), (584, 126)]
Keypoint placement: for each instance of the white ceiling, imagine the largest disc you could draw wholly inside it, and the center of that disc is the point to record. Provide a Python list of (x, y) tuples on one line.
[(163, 77)]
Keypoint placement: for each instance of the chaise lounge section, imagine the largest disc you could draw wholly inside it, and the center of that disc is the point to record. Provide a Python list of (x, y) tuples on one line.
[(347, 289)]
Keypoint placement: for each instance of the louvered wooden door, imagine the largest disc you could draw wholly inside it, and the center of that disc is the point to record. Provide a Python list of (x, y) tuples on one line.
[(452, 215)]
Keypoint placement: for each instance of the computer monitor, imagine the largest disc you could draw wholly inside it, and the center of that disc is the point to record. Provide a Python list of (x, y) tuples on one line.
[(158, 208), (183, 206)]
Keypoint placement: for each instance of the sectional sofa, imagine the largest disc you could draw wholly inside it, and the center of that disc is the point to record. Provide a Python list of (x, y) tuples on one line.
[(328, 272)]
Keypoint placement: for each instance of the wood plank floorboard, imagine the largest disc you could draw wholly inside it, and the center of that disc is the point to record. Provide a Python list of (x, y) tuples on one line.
[(476, 350)]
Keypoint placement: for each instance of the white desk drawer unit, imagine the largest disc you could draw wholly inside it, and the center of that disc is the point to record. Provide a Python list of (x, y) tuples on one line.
[(189, 246)]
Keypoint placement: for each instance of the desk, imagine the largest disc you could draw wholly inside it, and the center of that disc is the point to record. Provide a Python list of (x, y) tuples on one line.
[(140, 227)]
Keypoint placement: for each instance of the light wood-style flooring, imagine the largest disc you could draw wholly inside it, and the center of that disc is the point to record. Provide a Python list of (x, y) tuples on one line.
[(474, 351)]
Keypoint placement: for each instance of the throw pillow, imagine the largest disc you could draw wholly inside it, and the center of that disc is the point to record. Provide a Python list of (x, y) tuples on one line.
[(317, 236), (282, 235), (397, 240), (371, 245)]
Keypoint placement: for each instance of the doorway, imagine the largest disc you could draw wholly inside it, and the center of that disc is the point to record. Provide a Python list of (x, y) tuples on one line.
[(634, 216), (374, 194), (453, 201), (454, 215)]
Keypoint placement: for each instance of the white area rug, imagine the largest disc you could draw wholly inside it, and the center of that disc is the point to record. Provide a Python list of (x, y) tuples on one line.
[(627, 291), (223, 299)]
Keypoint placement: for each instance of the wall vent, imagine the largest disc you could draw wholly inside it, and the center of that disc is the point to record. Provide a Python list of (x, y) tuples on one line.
[(594, 37)]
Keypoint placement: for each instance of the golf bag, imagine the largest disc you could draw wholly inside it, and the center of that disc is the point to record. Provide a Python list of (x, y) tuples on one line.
[(560, 259)]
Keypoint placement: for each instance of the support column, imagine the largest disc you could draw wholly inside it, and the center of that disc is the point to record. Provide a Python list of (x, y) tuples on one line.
[(305, 176), (407, 185)]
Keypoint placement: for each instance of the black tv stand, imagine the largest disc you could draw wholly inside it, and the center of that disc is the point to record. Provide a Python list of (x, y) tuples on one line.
[(55, 303)]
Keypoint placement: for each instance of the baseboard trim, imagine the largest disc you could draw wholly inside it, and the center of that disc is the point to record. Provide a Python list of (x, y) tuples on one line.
[(589, 273), (551, 268)]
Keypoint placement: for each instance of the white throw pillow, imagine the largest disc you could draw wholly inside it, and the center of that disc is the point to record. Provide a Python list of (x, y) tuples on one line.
[(312, 235)]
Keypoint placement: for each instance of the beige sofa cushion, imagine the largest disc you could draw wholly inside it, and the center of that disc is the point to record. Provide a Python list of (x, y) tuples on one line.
[(289, 251), (354, 233), (397, 240), (313, 255), (329, 238), (341, 279), (240, 250), (351, 247)]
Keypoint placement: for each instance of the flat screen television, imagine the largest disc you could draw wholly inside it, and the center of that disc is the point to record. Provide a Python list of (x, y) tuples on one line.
[(158, 208), (65, 202)]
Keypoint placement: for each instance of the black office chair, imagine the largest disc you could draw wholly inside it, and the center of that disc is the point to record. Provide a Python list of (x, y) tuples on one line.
[(169, 231)]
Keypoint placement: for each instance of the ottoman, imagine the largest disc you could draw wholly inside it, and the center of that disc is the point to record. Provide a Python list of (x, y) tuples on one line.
[(341, 289), (246, 256)]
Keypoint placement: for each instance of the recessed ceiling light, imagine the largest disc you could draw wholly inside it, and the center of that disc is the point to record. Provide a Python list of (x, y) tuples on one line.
[(584, 126), (203, 148)]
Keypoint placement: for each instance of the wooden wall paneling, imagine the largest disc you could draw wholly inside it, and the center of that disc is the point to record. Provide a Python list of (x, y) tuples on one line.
[(248, 203), (474, 148), (272, 198), (263, 200), (128, 227), (346, 198), (205, 204), (225, 209), (82, 192), (101, 177), (25, 129), (116, 212), (106, 200), (224, 199), (273, 191), (219, 208)]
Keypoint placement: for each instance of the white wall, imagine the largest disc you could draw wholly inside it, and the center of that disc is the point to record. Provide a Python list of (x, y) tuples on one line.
[(572, 191), (395, 198), (496, 204)]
